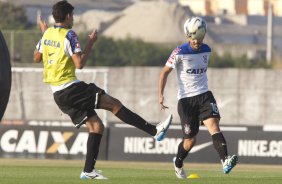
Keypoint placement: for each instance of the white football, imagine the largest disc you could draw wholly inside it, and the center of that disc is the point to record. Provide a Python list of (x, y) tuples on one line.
[(195, 28)]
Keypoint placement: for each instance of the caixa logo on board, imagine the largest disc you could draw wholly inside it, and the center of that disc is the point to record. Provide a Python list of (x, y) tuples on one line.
[(43, 142)]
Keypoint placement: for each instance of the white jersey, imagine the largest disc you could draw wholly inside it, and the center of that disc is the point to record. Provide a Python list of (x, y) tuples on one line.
[(191, 67)]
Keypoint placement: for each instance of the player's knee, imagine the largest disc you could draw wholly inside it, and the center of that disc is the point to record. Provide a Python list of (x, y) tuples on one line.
[(191, 140), (188, 143), (98, 128), (116, 105), (95, 125), (193, 133)]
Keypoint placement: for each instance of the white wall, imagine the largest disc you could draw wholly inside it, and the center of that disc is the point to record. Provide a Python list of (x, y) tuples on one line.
[(244, 97)]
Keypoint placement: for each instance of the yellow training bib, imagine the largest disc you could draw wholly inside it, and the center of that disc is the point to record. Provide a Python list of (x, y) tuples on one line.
[(58, 66)]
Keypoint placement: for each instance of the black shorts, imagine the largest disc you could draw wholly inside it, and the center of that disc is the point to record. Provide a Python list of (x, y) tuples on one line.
[(194, 110), (79, 101)]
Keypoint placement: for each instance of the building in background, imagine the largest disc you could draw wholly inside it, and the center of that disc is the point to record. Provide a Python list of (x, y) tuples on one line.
[(233, 7), (81, 6), (236, 27)]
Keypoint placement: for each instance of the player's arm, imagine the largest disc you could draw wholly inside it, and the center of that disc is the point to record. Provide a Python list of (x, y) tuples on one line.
[(80, 58), (162, 83), (42, 24), (37, 56)]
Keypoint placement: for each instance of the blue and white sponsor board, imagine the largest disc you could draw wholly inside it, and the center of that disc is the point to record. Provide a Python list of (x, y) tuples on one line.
[(256, 145), (60, 140)]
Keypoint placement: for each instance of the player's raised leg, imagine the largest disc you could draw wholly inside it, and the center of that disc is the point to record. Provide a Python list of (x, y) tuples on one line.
[(162, 128), (116, 107)]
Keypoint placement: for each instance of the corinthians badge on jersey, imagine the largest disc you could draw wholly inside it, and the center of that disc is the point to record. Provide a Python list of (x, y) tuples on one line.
[(187, 129)]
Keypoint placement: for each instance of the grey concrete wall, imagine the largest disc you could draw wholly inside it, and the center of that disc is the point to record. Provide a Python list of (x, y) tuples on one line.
[(244, 97)]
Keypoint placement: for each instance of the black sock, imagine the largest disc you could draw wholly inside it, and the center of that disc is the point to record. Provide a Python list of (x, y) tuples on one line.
[(181, 155), (93, 144), (133, 119), (220, 145)]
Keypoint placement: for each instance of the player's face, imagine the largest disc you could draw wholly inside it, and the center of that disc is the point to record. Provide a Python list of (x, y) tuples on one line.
[(70, 21), (195, 43)]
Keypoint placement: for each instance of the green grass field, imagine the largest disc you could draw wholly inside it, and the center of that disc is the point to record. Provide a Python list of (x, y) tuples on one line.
[(28, 171)]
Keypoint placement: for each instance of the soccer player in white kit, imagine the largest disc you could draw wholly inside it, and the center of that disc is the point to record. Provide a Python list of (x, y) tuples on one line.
[(196, 104)]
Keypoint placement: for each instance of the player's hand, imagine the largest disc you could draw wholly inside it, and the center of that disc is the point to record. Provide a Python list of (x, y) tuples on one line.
[(163, 107), (42, 24), (93, 36), (161, 101)]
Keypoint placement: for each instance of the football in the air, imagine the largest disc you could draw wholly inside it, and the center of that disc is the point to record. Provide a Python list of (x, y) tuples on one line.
[(195, 28)]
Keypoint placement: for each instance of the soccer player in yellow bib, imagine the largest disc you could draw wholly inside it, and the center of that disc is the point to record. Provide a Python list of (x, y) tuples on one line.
[(60, 51)]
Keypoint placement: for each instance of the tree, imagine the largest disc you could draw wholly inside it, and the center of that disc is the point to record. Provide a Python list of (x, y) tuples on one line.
[(128, 52), (13, 17)]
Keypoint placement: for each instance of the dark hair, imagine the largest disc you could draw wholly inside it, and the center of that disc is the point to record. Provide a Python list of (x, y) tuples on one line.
[(61, 9)]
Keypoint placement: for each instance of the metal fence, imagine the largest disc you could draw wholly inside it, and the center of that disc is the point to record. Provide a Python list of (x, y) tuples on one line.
[(31, 99), (21, 44)]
